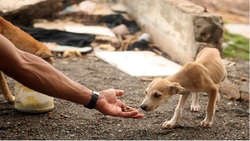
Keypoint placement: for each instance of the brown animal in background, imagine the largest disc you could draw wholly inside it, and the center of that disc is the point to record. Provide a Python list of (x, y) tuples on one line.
[(24, 42), (71, 53), (202, 75)]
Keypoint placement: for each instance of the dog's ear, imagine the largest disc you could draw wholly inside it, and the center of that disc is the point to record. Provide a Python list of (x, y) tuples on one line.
[(176, 88)]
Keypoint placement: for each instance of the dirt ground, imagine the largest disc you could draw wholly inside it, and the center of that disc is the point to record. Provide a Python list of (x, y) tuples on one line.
[(70, 121), (74, 122)]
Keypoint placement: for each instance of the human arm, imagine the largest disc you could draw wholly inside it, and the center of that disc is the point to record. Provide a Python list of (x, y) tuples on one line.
[(40, 76)]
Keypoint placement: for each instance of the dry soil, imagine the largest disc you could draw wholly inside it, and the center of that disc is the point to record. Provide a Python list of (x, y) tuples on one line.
[(72, 121)]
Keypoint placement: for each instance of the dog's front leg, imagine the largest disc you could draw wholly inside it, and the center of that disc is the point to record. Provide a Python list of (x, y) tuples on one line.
[(5, 89), (178, 112)]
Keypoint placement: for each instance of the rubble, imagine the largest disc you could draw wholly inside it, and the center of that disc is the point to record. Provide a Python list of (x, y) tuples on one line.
[(72, 121), (110, 27), (42, 9)]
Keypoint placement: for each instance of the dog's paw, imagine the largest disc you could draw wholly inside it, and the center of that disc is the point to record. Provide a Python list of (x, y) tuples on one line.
[(195, 108), (11, 100), (169, 124), (205, 123)]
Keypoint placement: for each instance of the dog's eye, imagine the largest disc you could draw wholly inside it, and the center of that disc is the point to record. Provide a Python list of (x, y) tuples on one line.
[(157, 95)]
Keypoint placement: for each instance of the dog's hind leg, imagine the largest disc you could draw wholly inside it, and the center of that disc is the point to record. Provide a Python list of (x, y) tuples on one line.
[(5, 89), (178, 112), (217, 102), (212, 98), (195, 106)]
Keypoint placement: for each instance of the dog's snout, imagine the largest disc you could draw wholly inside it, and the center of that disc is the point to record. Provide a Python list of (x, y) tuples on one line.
[(143, 107)]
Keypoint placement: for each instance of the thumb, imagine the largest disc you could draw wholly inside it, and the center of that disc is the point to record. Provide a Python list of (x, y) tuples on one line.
[(119, 92)]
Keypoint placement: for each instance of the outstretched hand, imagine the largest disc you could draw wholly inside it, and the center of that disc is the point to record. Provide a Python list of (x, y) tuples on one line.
[(109, 104)]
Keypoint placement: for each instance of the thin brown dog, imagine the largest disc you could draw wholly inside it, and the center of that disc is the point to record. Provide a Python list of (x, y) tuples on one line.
[(24, 42), (202, 75)]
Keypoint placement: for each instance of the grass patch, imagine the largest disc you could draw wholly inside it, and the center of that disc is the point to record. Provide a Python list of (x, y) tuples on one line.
[(238, 46)]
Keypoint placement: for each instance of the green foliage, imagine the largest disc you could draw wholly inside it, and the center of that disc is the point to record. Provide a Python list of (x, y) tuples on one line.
[(238, 46)]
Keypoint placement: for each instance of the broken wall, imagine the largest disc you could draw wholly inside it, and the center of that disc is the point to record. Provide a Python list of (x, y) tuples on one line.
[(178, 27), (25, 11)]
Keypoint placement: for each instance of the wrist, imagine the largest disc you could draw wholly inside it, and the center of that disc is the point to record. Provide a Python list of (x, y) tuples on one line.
[(93, 100)]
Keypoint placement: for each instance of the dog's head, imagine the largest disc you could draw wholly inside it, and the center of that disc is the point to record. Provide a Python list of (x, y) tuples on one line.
[(158, 92)]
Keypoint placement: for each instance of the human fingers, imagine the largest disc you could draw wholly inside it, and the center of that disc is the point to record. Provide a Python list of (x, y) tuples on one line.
[(119, 92), (132, 114)]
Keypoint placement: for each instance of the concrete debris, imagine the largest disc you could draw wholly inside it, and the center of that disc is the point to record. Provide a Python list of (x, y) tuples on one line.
[(121, 27)]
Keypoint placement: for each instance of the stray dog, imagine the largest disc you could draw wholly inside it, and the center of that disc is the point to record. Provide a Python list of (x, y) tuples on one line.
[(202, 75), (71, 53), (24, 42)]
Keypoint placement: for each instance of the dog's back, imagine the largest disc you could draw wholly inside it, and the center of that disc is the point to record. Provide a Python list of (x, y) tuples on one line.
[(24, 41), (211, 60)]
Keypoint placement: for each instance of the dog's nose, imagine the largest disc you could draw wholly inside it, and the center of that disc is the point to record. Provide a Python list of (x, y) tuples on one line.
[(143, 107)]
